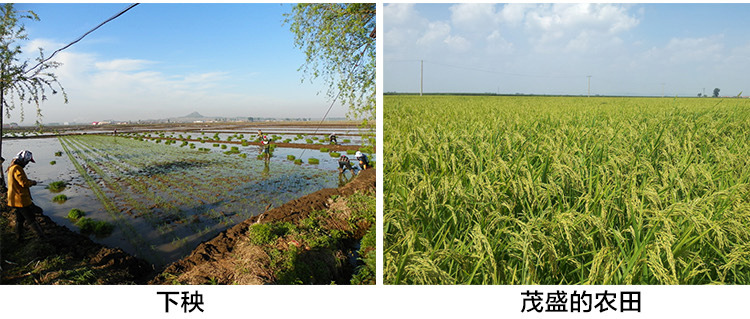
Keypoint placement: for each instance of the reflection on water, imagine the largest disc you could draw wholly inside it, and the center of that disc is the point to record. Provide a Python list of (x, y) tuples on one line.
[(165, 199)]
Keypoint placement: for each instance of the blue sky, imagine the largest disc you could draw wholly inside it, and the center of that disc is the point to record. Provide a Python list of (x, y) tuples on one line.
[(628, 49), (165, 60)]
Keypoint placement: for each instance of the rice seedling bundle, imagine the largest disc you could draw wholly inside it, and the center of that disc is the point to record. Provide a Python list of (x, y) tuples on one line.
[(566, 190)]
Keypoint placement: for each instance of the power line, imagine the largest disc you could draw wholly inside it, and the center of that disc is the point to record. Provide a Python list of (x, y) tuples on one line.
[(81, 37)]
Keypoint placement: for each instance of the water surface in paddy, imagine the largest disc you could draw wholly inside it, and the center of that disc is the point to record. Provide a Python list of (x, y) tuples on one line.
[(166, 199)]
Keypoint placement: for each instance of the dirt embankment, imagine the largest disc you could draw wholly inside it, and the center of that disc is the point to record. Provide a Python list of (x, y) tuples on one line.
[(213, 259)]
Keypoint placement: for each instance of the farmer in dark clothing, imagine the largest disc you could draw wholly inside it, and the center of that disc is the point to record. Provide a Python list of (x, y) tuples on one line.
[(3, 185), (345, 164), (364, 162), (19, 196), (333, 139)]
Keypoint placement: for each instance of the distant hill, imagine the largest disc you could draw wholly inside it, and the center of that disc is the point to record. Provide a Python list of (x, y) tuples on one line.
[(194, 115)]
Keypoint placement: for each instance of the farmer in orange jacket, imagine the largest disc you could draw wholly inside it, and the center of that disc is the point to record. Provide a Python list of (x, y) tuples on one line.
[(19, 197)]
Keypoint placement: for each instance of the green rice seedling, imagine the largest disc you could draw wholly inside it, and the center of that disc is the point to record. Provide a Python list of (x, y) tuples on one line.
[(62, 198), (58, 153), (351, 152), (216, 145), (75, 214), (57, 186), (334, 154), (245, 143), (223, 146), (233, 150), (290, 157), (298, 161), (243, 155), (89, 226), (324, 150), (52, 162), (346, 140), (309, 141), (313, 160)]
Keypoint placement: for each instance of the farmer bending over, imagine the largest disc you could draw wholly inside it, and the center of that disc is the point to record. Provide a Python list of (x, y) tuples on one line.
[(344, 164), (333, 139), (364, 162)]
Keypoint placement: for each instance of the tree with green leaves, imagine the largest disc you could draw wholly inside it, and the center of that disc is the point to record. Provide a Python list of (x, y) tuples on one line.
[(22, 82), (339, 43)]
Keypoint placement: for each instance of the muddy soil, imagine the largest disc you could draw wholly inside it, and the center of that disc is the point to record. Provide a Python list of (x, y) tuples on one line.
[(113, 265), (219, 253)]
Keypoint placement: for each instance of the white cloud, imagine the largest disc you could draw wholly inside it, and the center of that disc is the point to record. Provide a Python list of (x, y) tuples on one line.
[(436, 32), (514, 14), (123, 65), (681, 51), (577, 27), (127, 89), (496, 44), (399, 13), (474, 17)]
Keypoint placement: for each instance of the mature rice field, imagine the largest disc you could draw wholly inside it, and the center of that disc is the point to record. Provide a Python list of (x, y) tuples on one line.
[(564, 190)]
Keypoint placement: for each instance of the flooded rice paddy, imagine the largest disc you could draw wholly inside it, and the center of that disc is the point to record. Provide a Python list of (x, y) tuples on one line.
[(165, 199)]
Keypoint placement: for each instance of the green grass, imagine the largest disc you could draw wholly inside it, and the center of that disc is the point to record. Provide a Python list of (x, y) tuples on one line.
[(543, 190), (311, 251)]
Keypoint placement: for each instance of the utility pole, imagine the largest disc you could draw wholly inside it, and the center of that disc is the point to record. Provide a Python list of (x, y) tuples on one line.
[(421, 76), (588, 93)]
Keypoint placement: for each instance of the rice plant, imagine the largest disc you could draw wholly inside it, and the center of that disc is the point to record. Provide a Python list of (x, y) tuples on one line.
[(565, 190)]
